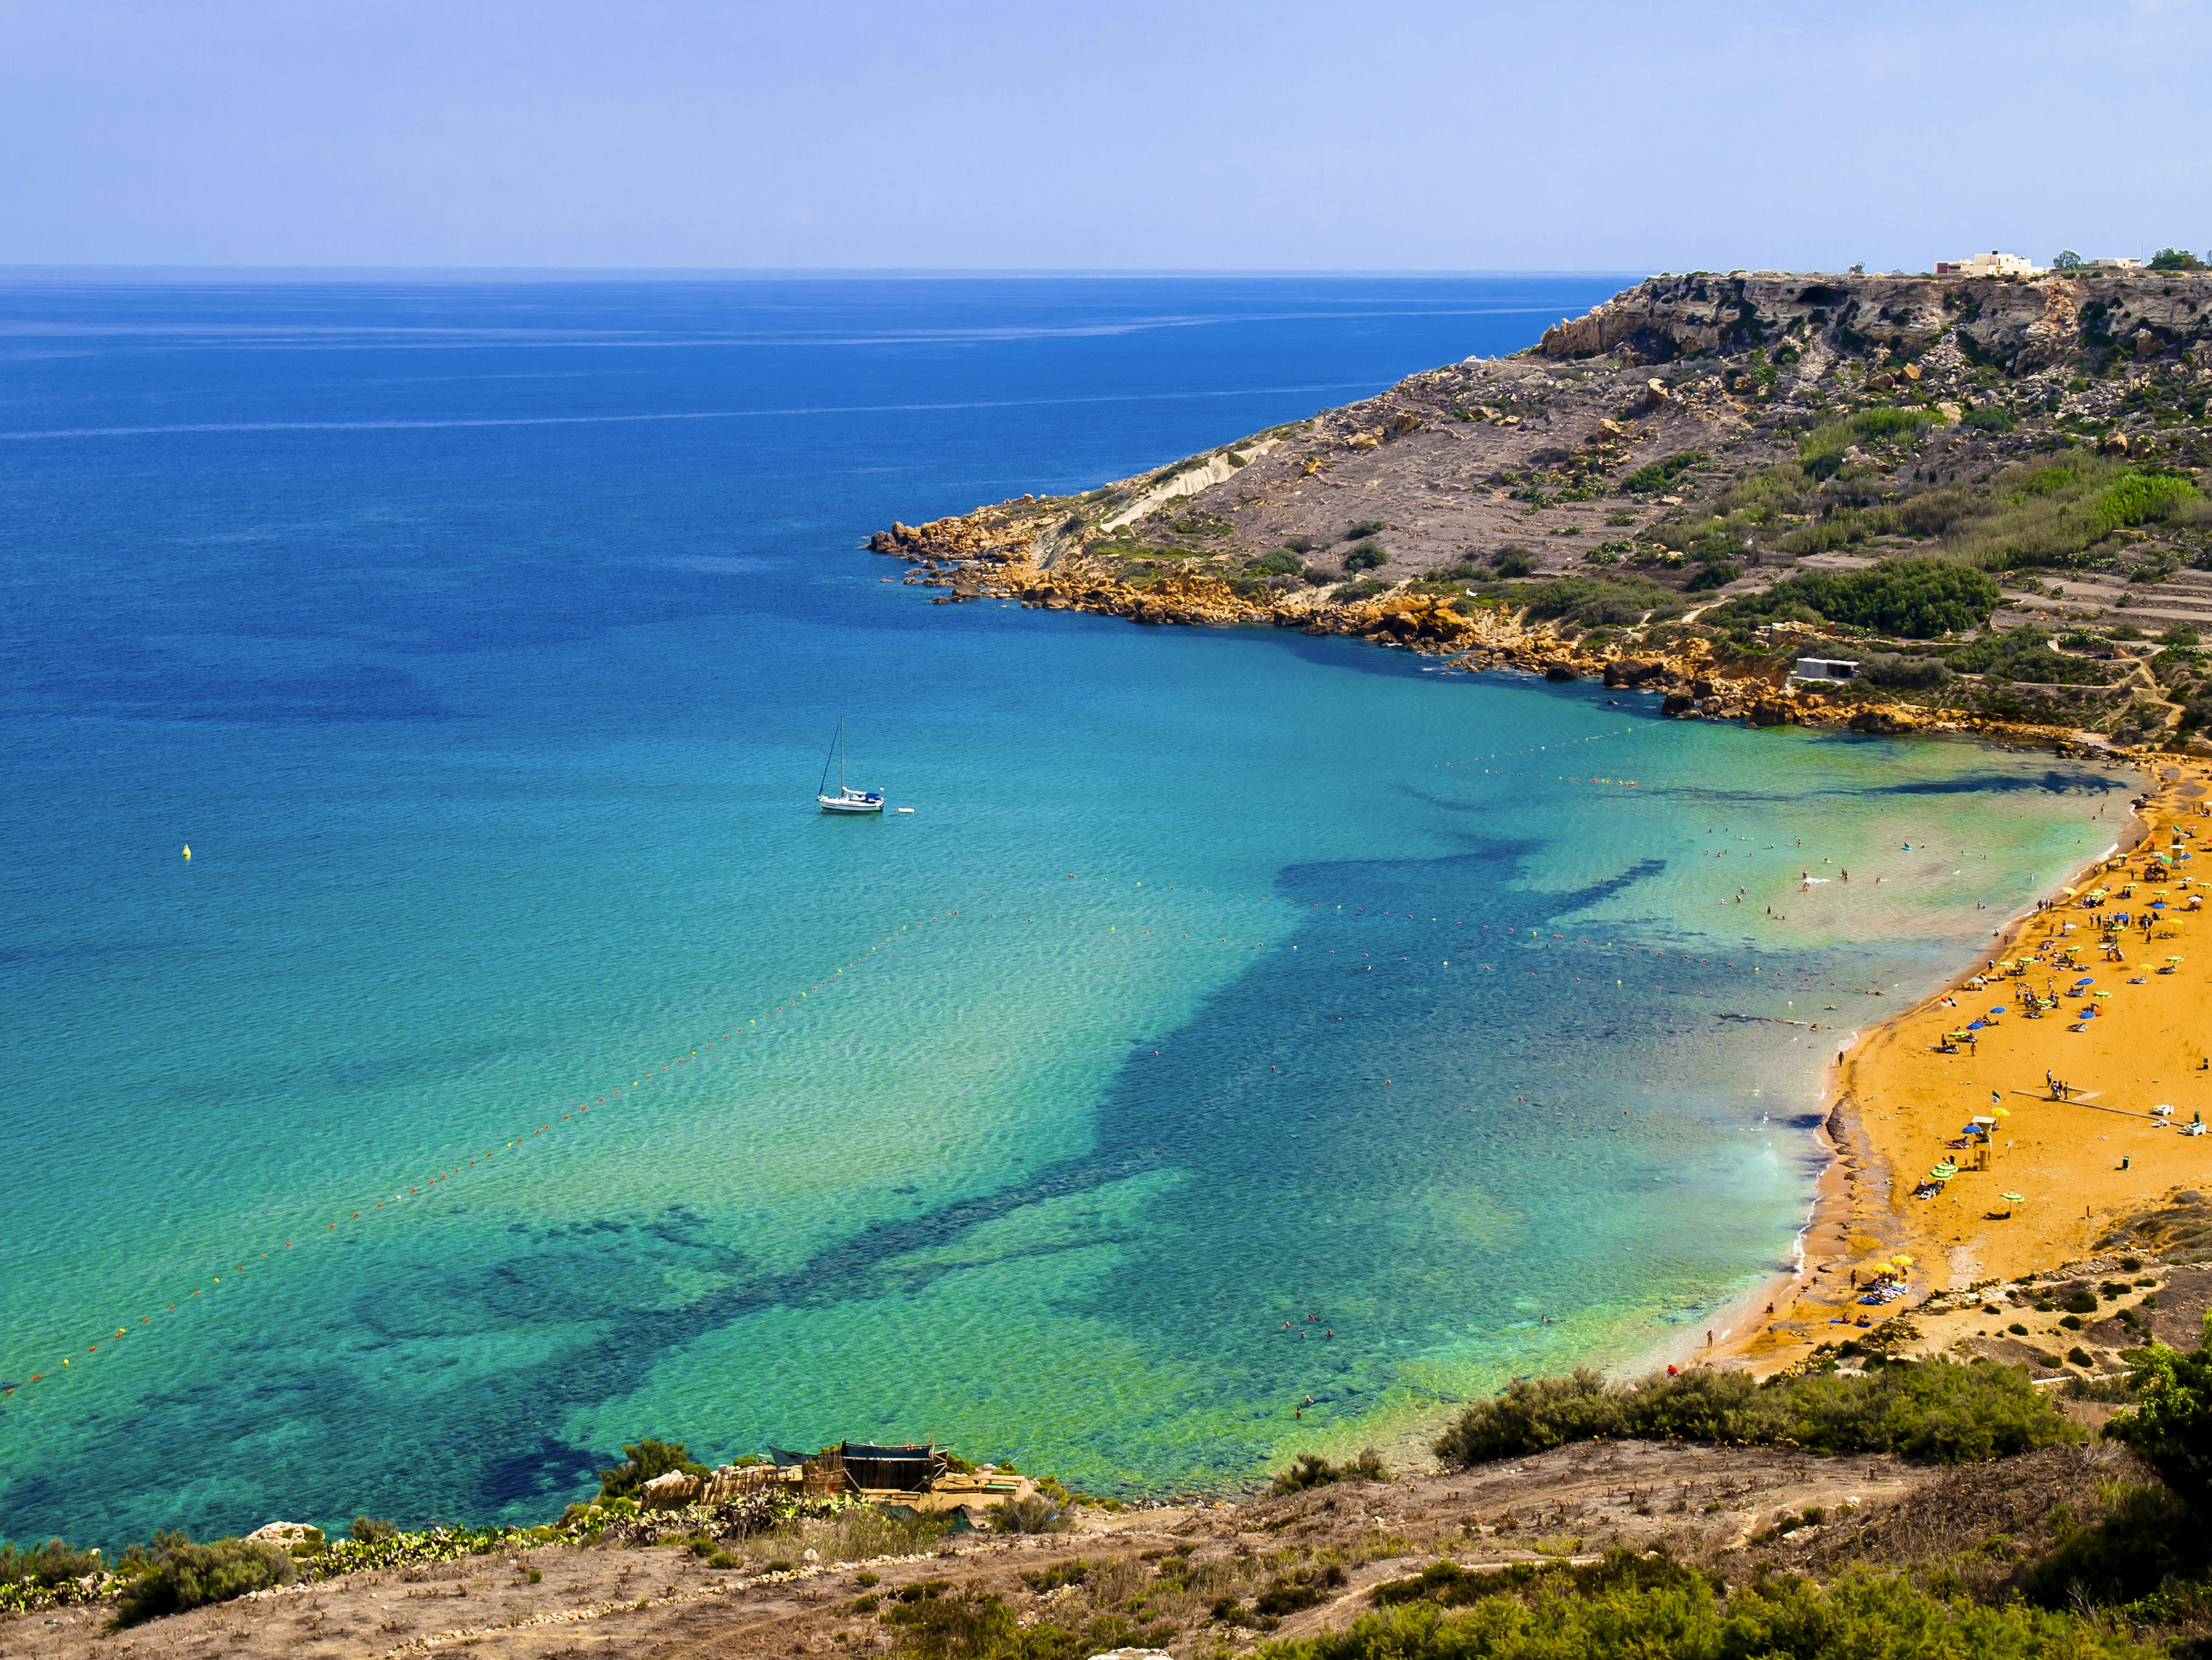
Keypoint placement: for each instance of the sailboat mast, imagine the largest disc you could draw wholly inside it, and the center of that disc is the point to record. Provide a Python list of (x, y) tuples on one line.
[(836, 753)]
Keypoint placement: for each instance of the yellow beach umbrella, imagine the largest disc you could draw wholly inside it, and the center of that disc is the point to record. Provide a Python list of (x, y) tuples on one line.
[(2069, 892), (1902, 1262), (2000, 1112)]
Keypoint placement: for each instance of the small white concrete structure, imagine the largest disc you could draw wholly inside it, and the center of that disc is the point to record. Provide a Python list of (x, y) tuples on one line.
[(1824, 668)]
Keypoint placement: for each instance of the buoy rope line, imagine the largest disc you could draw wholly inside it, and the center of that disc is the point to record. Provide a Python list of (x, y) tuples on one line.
[(1493, 940), (1544, 748)]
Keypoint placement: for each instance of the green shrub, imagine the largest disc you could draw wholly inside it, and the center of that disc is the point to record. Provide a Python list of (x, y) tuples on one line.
[(1291, 1592), (1311, 1470), (644, 1462), (2175, 260), (50, 1564), (1994, 418), (1872, 426), (1512, 561), (1638, 1608), (1595, 601), (185, 1576), (2135, 498), (1362, 528), (1368, 555), (1937, 1412), (1656, 476), (2052, 514), (1282, 562), (1892, 672), (2171, 1430), (1073, 1573), (966, 1624), (1033, 1513), (1365, 588), (2023, 654), (368, 1529), (1716, 575), (1917, 599)]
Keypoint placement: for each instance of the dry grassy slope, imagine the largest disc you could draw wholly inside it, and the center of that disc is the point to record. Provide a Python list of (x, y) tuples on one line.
[(1703, 1504), (1462, 463)]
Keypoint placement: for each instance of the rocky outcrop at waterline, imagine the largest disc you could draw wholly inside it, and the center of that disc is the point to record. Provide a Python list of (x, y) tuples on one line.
[(1636, 488)]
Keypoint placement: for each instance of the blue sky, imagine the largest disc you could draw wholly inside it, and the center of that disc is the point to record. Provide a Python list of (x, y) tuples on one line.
[(1282, 136)]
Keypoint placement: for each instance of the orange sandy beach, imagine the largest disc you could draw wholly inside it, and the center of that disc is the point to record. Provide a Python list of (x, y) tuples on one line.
[(1901, 1098)]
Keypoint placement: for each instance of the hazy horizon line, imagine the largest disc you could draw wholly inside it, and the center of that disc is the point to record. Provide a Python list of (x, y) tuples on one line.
[(139, 273)]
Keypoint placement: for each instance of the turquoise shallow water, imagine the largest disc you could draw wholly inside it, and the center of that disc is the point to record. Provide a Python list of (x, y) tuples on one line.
[(483, 642)]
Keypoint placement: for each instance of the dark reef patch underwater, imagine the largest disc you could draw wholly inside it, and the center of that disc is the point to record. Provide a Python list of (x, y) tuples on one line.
[(482, 641)]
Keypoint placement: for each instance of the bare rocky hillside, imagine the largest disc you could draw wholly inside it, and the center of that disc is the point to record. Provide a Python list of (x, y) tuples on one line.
[(1739, 460)]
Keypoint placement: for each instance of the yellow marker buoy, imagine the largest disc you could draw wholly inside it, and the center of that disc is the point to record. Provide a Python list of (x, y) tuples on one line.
[(188, 851)]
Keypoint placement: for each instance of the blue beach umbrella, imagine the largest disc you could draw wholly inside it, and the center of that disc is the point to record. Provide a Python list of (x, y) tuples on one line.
[(1976, 1025), (2001, 1009)]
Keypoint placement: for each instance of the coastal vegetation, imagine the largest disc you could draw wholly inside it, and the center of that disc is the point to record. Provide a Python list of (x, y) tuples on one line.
[(1311, 1470), (1597, 602), (1656, 476), (181, 1575), (1934, 1412), (1631, 1606), (1917, 599), (2118, 1573)]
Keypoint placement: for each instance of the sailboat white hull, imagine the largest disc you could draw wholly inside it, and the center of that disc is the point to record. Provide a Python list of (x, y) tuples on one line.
[(846, 799)]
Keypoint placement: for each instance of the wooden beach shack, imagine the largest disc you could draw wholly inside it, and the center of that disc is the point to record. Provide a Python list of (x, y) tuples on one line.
[(919, 1476)]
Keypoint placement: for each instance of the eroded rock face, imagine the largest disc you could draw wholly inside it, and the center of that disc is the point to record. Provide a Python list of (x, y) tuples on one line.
[(1888, 722), (2026, 320)]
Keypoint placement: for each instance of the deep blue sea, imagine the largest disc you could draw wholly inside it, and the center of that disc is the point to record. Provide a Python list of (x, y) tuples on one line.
[(520, 1063)]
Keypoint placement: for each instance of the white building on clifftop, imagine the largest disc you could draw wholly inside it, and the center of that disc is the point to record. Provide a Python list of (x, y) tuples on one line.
[(1991, 263)]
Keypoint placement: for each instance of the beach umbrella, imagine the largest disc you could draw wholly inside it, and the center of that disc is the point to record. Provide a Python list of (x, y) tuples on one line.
[(1976, 1025), (1902, 1262), (2013, 1197), (2000, 1009), (2100, 993), (2173, 959), (2069, 892), (2000, 1112)]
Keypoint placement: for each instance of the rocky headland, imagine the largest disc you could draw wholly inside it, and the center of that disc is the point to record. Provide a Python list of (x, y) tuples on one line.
[(1985, 489)]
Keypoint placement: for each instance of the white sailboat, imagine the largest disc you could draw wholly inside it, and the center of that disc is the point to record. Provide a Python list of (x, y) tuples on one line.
[(846, 799)]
